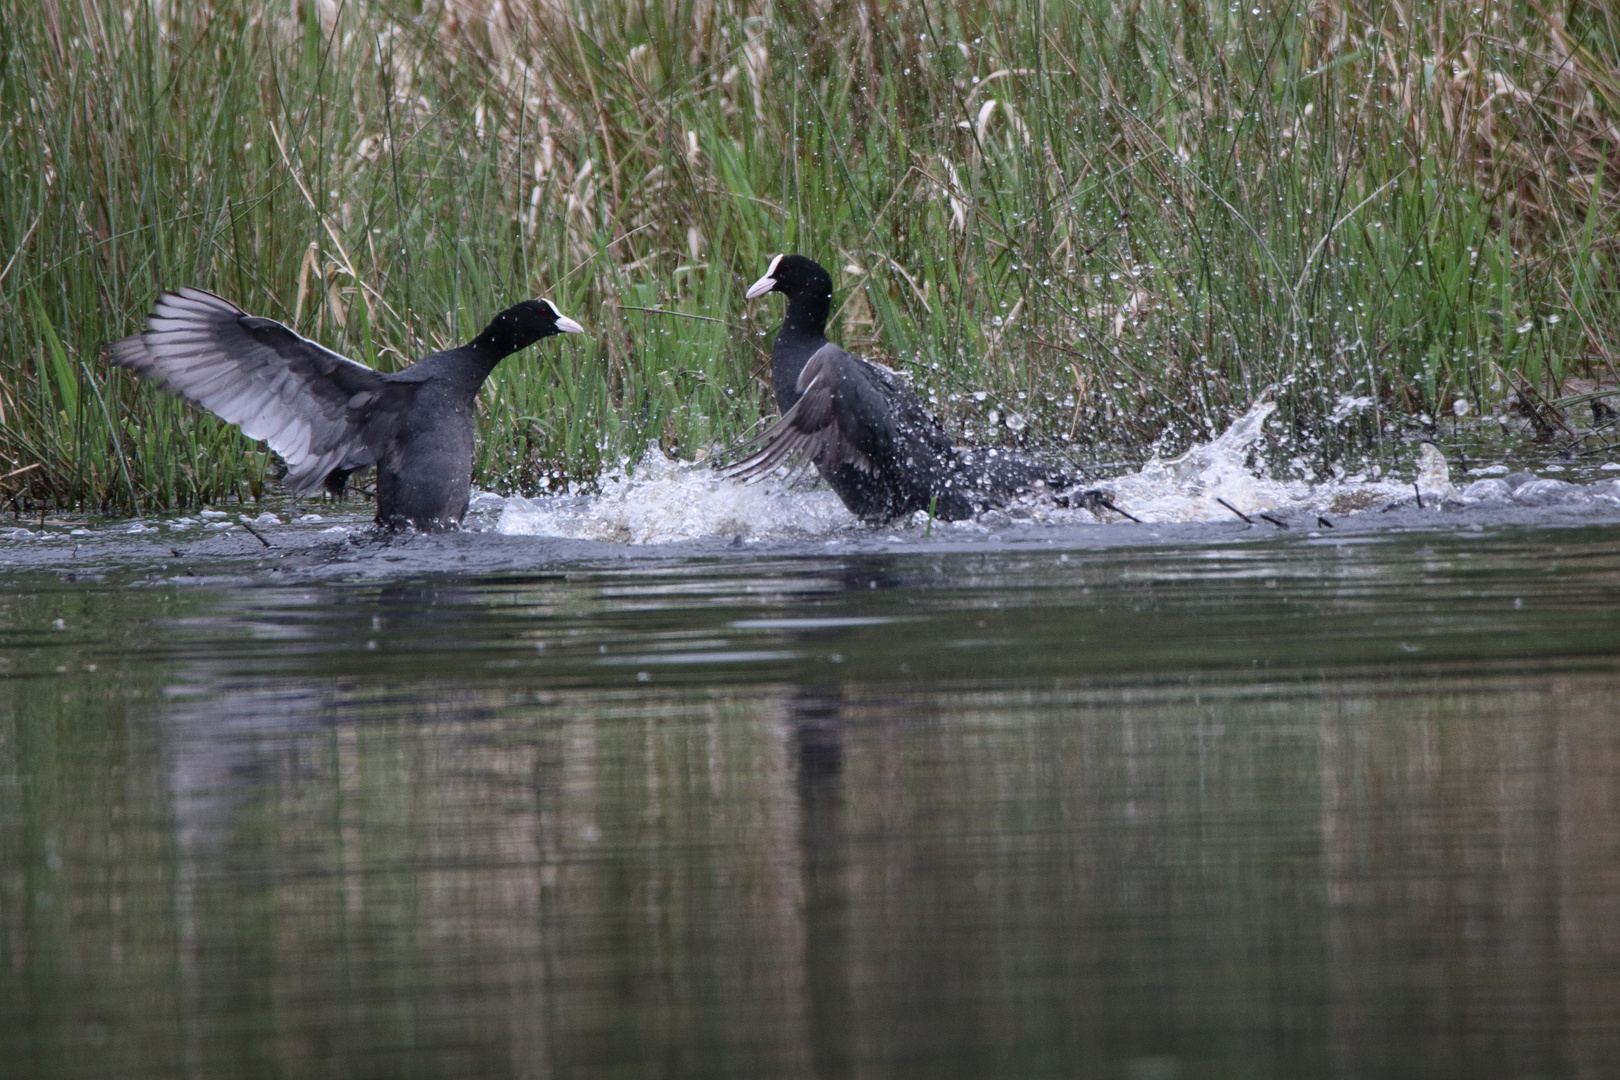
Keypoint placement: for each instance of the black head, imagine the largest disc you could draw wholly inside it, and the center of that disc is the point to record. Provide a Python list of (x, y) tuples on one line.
[(795, 275), (808, 288), (522, 325)]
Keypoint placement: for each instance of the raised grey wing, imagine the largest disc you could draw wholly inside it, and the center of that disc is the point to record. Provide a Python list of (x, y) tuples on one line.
[(843, 416), (783, 443), (308, 403)]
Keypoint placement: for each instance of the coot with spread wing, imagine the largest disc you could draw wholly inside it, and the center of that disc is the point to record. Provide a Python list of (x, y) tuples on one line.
[(328, 416)]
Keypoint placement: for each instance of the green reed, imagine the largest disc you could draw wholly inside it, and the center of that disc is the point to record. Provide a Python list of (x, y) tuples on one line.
[(1092, 228)]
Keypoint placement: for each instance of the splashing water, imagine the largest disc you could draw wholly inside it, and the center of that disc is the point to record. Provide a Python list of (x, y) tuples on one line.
[(1214, 482), (1190, 487), (659, 500), (1434, 475)]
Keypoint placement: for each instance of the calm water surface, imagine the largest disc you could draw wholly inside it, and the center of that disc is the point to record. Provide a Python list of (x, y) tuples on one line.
[(1285, 809)]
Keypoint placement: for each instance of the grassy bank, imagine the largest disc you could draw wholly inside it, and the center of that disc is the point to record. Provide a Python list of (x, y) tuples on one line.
[(1094, 226)]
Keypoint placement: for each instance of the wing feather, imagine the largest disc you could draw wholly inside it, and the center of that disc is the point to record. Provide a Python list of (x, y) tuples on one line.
[(308, 403), (842, 417)]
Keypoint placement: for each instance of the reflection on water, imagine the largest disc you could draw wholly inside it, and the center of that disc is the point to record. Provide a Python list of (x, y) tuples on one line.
[(1270, 811)]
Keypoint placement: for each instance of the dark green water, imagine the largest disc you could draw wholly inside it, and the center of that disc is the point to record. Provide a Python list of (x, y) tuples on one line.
[(1287, 809)]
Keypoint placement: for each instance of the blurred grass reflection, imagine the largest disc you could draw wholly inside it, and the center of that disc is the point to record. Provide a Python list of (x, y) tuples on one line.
[(249, 843)]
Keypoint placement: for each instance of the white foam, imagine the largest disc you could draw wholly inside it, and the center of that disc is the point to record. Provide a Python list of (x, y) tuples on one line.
[(1549, 493), (1190, 487), (660, 500), (1194, 486), (1490, 489), (1434, 475)]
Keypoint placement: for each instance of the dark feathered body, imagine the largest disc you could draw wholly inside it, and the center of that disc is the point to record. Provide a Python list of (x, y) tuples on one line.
[(424, 467), (863, 426), (328, 416)]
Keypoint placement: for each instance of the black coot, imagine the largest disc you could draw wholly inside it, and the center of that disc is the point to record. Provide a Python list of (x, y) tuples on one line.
[(863, 426), (327, 415)]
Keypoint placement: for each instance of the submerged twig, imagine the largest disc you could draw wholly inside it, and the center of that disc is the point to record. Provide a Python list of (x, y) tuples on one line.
[(1104, 502), (1091, 500), (256, 534), (1247, 519)]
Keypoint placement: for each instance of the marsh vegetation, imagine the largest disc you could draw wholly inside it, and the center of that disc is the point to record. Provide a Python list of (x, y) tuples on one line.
[(1090, 227)]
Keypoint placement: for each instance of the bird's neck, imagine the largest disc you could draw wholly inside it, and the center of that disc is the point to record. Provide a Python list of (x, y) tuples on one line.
[(804, 330), (498, 341), (477, 360), (806, 315)]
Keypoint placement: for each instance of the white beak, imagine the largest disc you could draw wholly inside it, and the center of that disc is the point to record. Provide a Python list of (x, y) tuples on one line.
[(565, 325), (764, 284)]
